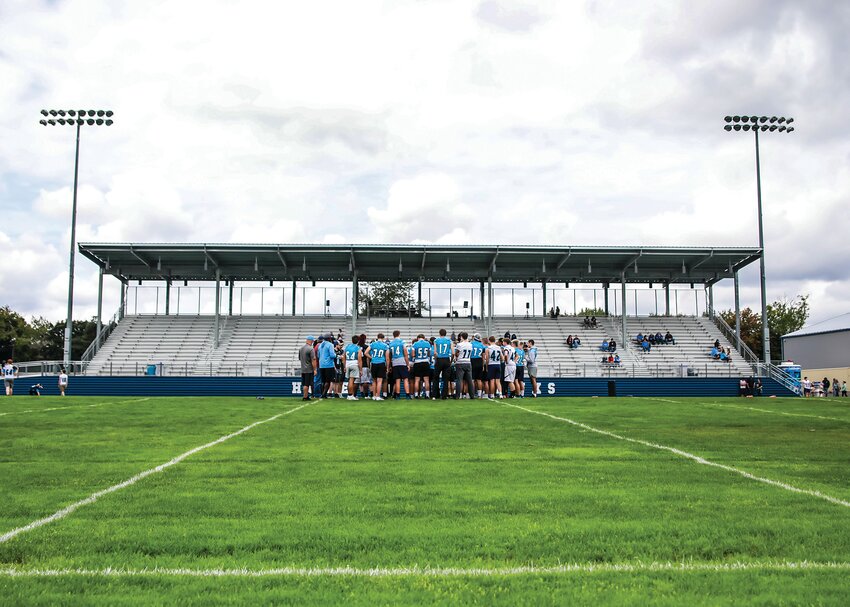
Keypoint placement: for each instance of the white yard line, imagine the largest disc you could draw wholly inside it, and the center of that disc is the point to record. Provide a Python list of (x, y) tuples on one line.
[(60, 514), (691, 456), (731, 406), (415, 571), (117, 402)]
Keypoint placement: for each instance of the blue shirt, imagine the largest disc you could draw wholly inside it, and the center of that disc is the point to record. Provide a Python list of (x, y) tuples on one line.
[(477, 348), (422, 351), (520, 357), (378, 352), (351, 352), (443, 347), (397, 348), (327, 356)]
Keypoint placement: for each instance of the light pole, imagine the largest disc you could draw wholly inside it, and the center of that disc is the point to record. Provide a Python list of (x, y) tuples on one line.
[(76, 118), (762, 124)]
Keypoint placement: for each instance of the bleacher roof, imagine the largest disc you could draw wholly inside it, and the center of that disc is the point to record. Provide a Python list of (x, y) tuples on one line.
[(429, 263)]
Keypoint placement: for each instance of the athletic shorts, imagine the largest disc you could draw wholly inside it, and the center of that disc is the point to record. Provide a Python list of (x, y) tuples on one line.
[(520, 373), (9, 382), (379, 370), (532, 371), (328, 375), (422, 369), (400, 372), (339, 376), (353, 372), (510, 373), (477, 368), (306, 380), (493, 371)]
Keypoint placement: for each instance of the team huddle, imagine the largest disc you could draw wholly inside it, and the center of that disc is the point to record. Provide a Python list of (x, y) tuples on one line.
[(439, 367)]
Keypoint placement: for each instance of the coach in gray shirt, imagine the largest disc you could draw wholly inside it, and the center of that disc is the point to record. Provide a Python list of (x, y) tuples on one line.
[(307, 358)]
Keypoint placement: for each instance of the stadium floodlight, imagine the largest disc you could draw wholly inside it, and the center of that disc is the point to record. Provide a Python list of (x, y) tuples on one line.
[(728, 119), (759, 124), (75, 118)]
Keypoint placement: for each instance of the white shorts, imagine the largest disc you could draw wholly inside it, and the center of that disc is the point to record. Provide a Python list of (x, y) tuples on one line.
[(353, 372), (510, 373)]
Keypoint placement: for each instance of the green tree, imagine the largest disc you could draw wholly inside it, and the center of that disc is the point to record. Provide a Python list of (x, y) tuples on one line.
[(389, 299), (783, 316)]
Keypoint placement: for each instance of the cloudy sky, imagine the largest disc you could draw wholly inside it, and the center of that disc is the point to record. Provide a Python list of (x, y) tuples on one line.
[(479, 121)]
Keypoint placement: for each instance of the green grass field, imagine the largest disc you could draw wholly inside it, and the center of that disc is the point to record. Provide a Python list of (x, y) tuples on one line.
[(670, 501)]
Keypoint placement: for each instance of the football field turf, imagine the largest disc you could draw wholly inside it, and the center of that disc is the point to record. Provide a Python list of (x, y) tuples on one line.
[(622, 501)]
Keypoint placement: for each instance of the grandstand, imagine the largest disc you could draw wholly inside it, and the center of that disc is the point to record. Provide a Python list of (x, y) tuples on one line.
[(227, 344)]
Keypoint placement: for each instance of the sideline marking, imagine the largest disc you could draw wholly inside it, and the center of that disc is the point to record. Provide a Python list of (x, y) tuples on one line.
[(636, 567), (60, 514), (696, 458), (731, 406), (117, 402)]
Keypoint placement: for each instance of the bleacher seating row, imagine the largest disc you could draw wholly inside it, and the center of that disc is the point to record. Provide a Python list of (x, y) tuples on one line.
[(268, 345)]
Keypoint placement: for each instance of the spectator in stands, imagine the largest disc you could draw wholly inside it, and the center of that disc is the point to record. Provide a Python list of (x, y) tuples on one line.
[(586, 322), (617, 359), (570, 341), (576, 341), (513, 336), (604, 360), (647, 347), (604, 346), (552, 313), (723, 356), (669, 338), (639, 338), (557, 311), (715, 352), (610, 359), (593, 321), (507, 334), (651, 338), (612, 346), (717, 343), (659, 339)]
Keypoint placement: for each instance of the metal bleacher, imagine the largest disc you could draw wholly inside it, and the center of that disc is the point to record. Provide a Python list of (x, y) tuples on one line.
[(268, 345)]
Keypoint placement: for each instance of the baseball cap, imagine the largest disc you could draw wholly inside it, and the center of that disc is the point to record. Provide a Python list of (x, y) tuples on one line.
[(311, 338)]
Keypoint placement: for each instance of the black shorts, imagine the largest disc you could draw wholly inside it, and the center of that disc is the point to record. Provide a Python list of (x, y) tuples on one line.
[(327, 375), (422, 369), (520, 373), (379, 371), (306, 380), (477, 368), (400, 372), (494, 371)]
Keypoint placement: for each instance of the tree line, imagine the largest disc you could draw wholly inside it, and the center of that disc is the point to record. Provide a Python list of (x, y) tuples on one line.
[(783, 316), (40, 339)]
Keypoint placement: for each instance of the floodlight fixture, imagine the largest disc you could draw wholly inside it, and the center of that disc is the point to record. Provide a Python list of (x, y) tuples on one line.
[(728, 118), (101, 113), (737, 127), (773, 119), (790, 129), (74, 118), (728, 127)]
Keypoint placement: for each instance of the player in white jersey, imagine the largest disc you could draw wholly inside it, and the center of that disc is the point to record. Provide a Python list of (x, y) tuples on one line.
[(493, 364), (63, 382), (10, 373), (509, 355), (463, 368)]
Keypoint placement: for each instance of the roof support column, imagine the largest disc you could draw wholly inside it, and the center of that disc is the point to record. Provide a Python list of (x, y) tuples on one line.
[(737, 313), (605, 289), (623, 309), (481, 299), (544, 299), (666, 299), (293, 297), (217, 306), (122, 306), (99, 308), (167, 296), (355, 301), (489, 323), (711, 301), (230, 297), (419, 296)]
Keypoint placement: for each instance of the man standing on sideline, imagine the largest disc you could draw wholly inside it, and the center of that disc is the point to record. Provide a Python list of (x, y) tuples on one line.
[(531, 366), (353, 365), (377, 351), (421, 366), (477, 361), (463, 367), (327, 364), (443, 353), (307, 358), (401, 365)]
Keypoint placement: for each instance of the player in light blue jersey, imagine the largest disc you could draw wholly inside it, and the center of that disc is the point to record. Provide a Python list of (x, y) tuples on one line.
[(422, 352), (377, 353), (353, 365), (400, 364), (519, 380), (443, 353), (477, 360)]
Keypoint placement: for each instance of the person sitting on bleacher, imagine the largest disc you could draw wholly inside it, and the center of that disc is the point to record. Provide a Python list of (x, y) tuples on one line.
[(610, 359), (604, 347), (651, 339), (669, 338), (646, 345), (617, 359), (717, 343), (586, 322), (612, 346), (604, 360), (576, 341), (593, 321), (728, 355), (569, 341), (639, 337), (659, 339), (723, 356), (715, 353)]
